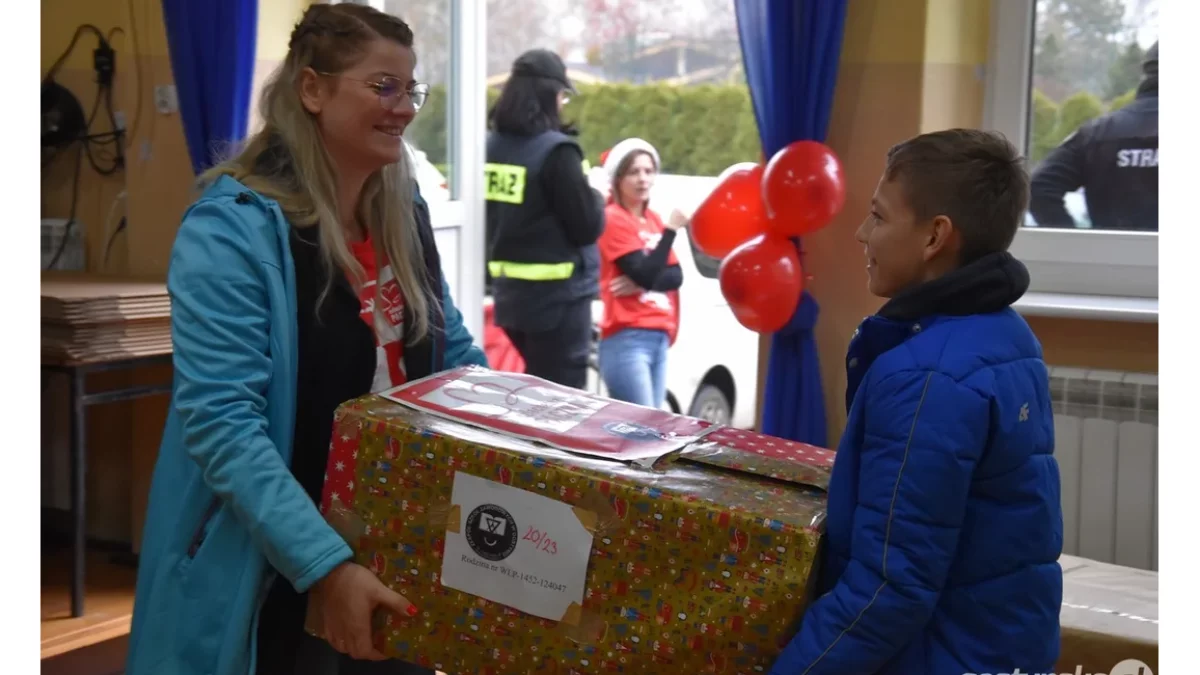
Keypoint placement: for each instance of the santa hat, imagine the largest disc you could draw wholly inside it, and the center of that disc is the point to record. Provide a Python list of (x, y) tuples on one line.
[(613, 157)]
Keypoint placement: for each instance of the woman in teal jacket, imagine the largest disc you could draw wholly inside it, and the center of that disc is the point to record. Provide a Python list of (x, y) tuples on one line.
[(305, 275)]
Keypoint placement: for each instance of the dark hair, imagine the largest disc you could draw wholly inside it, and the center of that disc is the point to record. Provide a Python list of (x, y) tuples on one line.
[(623, 168), (975, 178), (528, 106)]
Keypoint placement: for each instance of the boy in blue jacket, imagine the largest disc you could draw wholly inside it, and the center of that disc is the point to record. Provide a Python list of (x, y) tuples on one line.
[(945, 523)]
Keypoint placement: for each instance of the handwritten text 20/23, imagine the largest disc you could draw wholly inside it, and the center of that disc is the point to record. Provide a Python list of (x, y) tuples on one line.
[(541, 541)]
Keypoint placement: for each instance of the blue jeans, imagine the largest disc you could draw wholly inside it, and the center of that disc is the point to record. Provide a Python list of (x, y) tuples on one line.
[(633, 364)]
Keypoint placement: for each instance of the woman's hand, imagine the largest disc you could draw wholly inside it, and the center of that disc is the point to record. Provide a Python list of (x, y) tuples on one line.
[(348, 597), (623, 286), (676, 221)]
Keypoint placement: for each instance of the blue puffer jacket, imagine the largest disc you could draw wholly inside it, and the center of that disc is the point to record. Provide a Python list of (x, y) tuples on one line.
[(945, 520)]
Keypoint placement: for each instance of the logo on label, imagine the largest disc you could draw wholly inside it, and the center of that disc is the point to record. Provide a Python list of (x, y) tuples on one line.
[(491, 532), (633, 431)]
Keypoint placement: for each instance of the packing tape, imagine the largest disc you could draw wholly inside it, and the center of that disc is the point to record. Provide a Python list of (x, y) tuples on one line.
[(582, 626), (598, 517), (447, 515), (596, 514), (348, 524)]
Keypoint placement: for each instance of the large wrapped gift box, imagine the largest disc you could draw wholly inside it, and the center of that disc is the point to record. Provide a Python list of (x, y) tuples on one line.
[(540, 529), (1109, 618)]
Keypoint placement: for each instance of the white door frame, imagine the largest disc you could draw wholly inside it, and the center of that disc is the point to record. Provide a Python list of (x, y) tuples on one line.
[(458, 223), (466, 143)]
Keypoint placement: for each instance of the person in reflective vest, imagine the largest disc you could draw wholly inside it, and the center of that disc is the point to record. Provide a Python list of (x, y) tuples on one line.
[(543, 221)]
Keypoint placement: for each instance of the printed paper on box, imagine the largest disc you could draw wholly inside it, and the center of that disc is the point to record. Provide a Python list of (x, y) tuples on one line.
[(531, 408)]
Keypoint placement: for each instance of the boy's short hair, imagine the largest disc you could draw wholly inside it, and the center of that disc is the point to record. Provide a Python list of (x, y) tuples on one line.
[(976, 178)]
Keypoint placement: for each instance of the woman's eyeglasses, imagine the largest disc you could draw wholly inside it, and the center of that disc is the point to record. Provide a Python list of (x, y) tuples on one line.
[(391, 90)]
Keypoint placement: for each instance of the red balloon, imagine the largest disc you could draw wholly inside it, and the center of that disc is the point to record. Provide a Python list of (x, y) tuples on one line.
[(803, 189), (731, 215), (762, 280)]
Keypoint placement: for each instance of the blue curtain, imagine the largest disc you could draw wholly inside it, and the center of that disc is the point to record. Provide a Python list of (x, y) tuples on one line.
[(212, 46), (790, 49)]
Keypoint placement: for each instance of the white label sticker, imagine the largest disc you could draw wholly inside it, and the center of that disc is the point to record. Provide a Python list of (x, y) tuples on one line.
[(516, 548)]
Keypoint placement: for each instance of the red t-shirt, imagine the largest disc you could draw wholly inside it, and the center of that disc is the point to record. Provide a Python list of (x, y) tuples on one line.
[(652, 310), (388, 324)]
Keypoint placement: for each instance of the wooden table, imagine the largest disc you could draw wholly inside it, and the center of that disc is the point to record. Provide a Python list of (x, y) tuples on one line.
[(99, 324)]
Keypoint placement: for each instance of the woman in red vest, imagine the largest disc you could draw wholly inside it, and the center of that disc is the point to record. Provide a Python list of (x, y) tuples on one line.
[(639, 279)]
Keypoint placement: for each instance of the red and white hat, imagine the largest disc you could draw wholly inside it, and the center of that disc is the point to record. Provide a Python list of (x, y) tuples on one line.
[(612, 157)]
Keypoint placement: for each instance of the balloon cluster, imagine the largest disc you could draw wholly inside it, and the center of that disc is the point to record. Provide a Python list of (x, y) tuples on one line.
[(750, 220)]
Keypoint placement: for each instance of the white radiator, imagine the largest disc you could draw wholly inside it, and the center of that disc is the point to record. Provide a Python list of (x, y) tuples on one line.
[(1106, 442)]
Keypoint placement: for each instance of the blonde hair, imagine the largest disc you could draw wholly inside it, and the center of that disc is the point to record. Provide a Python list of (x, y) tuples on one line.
[(287, 161)]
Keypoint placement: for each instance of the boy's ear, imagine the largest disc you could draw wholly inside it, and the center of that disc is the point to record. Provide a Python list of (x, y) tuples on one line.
[(943, 238)]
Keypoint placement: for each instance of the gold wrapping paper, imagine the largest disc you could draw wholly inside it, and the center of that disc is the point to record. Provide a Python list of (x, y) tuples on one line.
[(694, 566)]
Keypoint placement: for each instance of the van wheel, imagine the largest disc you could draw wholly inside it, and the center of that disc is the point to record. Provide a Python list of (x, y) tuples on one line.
[(711, 405)]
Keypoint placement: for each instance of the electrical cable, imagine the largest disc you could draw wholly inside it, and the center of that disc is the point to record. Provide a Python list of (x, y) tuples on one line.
[(70, 48), (110, 234), (66, 233), (103, 139), (105, 66), (112, 238)]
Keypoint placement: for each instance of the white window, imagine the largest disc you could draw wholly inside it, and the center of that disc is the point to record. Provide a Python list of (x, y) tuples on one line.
[(1054, 66), (446, 138)]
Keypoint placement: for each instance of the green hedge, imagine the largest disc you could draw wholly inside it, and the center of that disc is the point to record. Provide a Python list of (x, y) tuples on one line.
[(701, 130), (1054, 122), (698, 130)]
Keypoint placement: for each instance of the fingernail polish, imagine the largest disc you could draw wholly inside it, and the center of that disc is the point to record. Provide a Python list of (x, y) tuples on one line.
[(412, 610)]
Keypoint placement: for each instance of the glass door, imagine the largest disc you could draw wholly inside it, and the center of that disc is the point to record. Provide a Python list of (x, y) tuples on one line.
[(447, 137)]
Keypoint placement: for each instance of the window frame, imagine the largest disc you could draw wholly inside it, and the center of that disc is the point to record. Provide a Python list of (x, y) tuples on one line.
[(458, 222), (1096, 274)]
